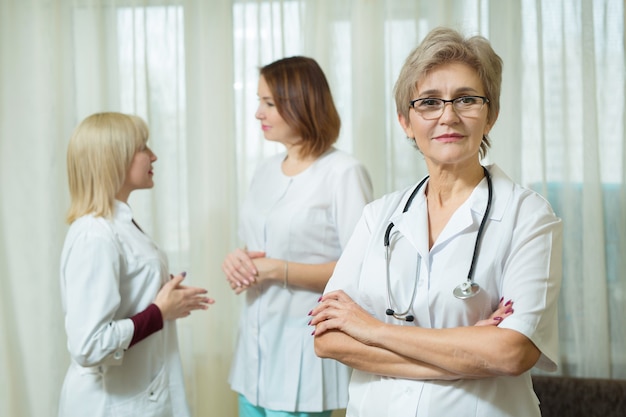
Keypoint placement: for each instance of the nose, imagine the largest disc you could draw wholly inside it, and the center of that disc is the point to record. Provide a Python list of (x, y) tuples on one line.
[(259, 113), (448, 115)]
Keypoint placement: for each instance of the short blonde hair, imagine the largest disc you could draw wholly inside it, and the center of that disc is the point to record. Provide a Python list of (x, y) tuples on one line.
[(99, 155), (442, 46)]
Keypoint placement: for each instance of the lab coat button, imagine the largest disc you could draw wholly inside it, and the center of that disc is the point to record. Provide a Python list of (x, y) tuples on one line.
[(117, 355)]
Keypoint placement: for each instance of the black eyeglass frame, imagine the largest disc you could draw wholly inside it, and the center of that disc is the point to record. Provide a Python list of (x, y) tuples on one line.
[(444, 101)]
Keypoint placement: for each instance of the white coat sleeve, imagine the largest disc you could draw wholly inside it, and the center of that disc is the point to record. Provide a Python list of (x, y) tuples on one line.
[(91, 277), (353, 191), (348, 269), (532, 278)]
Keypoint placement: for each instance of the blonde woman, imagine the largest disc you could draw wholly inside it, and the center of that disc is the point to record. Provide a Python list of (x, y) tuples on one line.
[(119, 299)]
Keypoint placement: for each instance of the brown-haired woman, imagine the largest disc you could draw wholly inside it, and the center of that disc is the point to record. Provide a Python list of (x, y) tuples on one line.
[(298, 216)]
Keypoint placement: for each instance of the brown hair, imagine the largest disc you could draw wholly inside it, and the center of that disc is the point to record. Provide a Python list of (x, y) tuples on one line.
[(303, 99), (99, 155), (442, 46)]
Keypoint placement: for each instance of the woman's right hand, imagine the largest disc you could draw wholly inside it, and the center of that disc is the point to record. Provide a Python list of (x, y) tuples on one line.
[(239, 269), (176, 301)]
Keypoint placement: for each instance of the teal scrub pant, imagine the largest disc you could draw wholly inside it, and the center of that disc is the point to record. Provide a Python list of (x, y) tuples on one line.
[(246, 409)]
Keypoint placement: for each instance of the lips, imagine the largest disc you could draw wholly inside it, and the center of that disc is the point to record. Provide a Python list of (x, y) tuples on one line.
[(449, 137)]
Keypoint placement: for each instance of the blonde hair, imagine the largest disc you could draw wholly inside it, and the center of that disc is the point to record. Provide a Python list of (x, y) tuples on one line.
[(99, 155), (442, 46)]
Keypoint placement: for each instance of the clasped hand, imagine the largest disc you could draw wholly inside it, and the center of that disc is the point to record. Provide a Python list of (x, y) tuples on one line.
[(176, 301), (244, 269)]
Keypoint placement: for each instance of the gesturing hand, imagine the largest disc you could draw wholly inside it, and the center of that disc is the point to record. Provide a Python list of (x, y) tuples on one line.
[(176, 300)]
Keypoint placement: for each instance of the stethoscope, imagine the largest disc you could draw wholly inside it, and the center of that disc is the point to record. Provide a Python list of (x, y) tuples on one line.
[(462, 291)]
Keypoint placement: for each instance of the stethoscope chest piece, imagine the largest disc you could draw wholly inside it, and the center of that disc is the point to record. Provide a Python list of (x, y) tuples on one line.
[(466, 290)]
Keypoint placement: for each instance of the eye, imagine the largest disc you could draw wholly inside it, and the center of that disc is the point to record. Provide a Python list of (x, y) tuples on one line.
[(429, 102), (467, 100)]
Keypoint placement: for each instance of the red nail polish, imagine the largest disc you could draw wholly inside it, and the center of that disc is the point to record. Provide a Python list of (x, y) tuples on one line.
[(313, 333), (498, 318), (508, 303), (502, 299), (310, 312), (510, 310)]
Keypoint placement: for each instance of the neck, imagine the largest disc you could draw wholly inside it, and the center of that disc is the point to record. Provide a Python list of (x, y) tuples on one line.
[(294, 163), (449, 186)]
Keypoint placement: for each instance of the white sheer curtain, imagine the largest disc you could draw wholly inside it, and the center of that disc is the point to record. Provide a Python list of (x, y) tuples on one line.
[(190, 68)]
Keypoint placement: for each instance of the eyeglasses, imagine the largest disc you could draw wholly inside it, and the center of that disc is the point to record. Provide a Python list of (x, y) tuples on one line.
[(432, 108)]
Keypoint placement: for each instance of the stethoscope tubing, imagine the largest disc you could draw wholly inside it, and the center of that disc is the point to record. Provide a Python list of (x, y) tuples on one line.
[(469, 288)]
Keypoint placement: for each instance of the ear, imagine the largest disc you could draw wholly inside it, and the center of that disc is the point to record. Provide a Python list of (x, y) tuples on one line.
[(406, 126), (489, 125)]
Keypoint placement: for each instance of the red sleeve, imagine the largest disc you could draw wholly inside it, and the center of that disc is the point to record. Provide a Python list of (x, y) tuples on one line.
[(147, 322)]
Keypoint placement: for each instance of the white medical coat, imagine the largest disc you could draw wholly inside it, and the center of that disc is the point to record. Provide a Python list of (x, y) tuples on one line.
[(519, 259), (307, 218), (111, 271)]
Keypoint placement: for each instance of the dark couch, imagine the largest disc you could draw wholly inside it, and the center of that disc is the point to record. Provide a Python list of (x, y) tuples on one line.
[(580, 397)]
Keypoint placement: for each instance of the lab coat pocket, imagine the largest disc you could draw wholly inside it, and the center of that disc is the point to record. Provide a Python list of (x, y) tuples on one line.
[(154, 401)]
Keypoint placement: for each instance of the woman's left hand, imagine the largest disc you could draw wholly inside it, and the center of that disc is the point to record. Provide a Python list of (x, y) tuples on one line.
[(337, 311), (504, 310)]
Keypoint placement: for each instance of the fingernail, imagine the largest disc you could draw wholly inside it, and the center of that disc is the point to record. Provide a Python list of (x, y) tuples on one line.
[(498, 318), (313, 333), (310, 312), (184, 274), (309, 323), (320, 299), (171, 276), (510, 310), (502, 299), (508, 303)]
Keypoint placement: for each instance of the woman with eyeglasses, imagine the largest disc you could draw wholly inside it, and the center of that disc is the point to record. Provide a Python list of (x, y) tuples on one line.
[(426, 263), (300, 211)]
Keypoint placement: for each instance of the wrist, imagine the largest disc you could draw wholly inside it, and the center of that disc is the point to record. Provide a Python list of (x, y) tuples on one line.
[(286, 274)]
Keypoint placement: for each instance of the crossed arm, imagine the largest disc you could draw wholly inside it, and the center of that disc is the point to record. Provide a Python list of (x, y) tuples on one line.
[(346, 332)]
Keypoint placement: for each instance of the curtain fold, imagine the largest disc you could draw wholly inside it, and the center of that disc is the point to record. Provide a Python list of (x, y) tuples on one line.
[(190, 68)]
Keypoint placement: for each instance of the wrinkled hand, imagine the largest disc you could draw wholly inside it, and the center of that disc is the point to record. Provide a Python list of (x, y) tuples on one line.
[(503, 311), (176, 301), (239, 268), (337, 311)]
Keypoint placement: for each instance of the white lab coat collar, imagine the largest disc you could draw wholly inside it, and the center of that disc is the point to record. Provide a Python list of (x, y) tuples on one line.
[(122, 211), (414, 222)]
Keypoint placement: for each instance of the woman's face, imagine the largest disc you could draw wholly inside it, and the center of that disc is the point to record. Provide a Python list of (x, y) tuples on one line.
[(139, 175), (450, 140), (274, 127)]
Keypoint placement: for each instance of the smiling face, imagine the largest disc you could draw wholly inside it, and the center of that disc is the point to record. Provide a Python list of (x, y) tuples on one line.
[(139, 175), (274, 127), (450, 140)]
